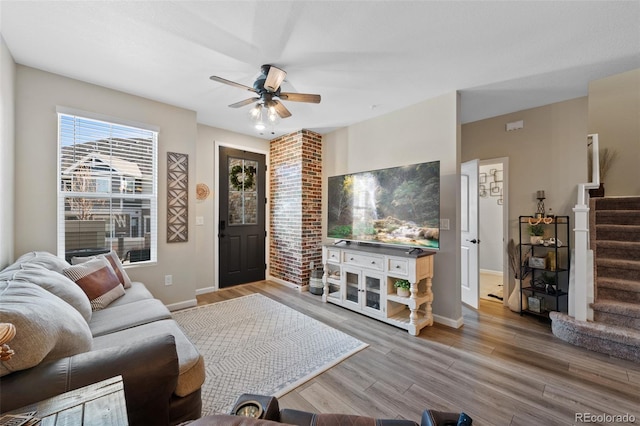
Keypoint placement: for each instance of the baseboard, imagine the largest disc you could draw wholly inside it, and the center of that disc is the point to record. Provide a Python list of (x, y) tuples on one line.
[(205, 290), (490, 272), (182, 305), (448, 321), (300, 288)]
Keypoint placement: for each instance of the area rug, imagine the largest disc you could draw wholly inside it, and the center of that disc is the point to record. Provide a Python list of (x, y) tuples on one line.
[(254, 344)]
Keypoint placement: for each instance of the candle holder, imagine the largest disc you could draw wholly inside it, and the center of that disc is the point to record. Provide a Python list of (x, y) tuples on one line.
[(540, 211)]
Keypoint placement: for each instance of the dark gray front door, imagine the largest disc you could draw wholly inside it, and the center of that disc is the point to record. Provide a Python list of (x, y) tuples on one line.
[(241, 231)]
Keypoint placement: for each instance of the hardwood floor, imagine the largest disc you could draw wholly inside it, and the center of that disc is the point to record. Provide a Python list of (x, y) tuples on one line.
[(500, 368)]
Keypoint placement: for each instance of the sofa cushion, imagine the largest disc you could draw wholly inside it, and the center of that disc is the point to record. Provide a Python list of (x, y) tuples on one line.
[(41, 258), (47, 328), (137, 291), (114, 260), (98, 280), (191, 363), (54, 283), (116, 318)]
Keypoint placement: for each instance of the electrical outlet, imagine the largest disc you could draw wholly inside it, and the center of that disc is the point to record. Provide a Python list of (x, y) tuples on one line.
[(444, 224), (168, 279)]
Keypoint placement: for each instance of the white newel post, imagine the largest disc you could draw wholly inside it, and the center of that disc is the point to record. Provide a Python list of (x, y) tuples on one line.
[(582, 272), (580, 304)]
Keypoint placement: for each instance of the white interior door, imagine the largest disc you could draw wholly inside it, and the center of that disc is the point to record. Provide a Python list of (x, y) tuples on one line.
[(469, 218)]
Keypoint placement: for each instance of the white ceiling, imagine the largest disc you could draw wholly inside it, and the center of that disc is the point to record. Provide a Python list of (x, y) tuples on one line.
[(366, 58)]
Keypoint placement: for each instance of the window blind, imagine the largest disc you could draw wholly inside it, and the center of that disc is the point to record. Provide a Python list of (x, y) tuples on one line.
[(107, 189)]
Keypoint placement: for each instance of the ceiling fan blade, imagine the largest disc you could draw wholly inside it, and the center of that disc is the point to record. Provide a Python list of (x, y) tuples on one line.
[(243, 103), (274, 78), (231, 83), (300, 97), (282, 111)]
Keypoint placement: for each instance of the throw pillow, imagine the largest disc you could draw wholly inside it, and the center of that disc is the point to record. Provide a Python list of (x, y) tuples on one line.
[(57, 284), (98, 280), (113, 258), (47, 328)]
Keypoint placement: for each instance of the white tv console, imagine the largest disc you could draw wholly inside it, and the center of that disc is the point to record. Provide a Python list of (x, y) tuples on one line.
[(361, 278)]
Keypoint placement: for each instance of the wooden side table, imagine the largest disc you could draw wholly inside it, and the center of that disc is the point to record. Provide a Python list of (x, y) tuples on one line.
[(101, 403)]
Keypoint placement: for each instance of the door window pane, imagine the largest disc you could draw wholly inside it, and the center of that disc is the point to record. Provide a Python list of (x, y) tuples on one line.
[(243, 192)]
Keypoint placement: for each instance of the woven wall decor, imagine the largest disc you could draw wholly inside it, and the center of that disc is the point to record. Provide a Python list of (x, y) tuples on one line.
[(177, 197), (202, 191)]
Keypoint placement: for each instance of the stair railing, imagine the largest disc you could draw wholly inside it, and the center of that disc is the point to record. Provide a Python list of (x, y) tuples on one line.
[(581, 279)]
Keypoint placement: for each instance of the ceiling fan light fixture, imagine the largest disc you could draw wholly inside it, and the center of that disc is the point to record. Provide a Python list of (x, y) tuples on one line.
[(273, 116), (275, 77), (257, 116), (255, 111)]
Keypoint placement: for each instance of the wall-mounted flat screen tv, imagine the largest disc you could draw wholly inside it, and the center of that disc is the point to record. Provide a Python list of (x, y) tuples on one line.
[(395, 206)]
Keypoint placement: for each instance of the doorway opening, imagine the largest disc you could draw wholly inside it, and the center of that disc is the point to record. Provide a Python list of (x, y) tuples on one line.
[(493, 229)]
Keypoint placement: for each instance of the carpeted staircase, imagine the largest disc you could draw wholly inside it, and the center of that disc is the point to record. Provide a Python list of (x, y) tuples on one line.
[(615, 240)]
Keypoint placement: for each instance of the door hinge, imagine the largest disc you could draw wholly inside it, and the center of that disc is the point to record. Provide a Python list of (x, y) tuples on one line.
[(265, 266)]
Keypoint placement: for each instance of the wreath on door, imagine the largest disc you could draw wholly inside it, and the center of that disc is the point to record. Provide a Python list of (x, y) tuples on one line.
[(242, 178)]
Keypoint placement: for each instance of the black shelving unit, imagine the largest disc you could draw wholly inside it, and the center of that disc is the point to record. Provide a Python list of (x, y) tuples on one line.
[(545, 279)]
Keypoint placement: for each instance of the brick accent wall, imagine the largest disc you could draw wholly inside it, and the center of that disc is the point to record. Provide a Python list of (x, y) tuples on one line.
[(295, 228)]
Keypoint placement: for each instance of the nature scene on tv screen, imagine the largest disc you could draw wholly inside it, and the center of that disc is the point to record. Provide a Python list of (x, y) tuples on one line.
[(399, 205)]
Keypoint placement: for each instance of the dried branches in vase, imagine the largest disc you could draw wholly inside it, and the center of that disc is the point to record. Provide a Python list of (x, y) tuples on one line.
[(520, 271), (607, 157)]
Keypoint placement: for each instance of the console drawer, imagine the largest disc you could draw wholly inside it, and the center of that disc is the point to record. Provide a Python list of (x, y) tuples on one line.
[(364, 261), (333, 255), (398, 266)]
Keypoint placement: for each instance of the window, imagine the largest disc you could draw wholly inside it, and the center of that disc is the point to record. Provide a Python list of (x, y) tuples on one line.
[(107, 187)]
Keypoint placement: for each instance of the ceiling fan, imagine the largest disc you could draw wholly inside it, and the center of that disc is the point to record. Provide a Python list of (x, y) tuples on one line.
[(267, 87)]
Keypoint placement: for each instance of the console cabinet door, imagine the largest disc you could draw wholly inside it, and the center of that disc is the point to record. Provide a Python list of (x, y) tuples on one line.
[(363, 290), (351, 295), (372, 295)]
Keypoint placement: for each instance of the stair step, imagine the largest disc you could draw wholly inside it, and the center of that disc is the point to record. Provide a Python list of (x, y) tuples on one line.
[(618, 232), (618, 217), (621, 308), (629, 250), (618, 290), (621, 314), (616, 268), (616, 341), (617, 284), (616, 203)]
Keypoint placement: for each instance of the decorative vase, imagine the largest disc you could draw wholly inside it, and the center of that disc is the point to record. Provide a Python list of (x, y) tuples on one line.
[(403, 292), (536, 239), (598, 192), (513, 298)]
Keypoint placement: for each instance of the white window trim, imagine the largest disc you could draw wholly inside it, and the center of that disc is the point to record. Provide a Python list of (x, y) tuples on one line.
[(61, 110)]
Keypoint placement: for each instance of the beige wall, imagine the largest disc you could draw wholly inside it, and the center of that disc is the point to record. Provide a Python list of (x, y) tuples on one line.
[(38, 93), (549, 153), (206, 169), (614, 113), (423, 132), (7, 147)]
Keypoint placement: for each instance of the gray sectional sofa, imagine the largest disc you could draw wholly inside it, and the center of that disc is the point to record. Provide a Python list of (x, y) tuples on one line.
[(62, 344)]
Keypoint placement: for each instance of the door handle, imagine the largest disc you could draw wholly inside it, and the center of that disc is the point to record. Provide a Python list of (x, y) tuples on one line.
[(474, 241), (221, 235)]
